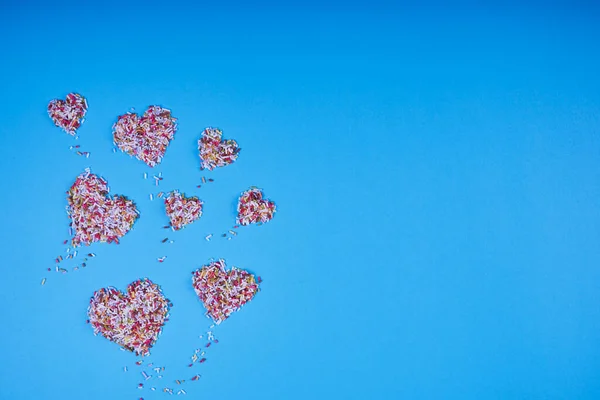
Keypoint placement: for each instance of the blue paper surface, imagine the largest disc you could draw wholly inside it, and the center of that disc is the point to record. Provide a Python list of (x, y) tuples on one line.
[(436, 176)]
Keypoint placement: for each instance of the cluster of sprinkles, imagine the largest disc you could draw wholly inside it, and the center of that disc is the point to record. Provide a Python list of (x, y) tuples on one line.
[(252, 208), (68, 114), (182, 210), (215, 152), (146, 137), (223, 292), (133, 320), (96, 217)]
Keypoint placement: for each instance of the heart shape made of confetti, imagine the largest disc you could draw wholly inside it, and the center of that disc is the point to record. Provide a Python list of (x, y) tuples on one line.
[(133, 320), (68, 114), (182, 210), (216, 152), (146, 137), (95, 217), (223, 292), (252, 208)]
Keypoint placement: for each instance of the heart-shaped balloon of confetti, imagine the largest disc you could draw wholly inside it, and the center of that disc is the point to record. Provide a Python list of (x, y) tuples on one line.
[(133, 320), (223, 292), (68, 114), (216, 152), (252, 208), (182, 210), (96, 217), (146, 137)]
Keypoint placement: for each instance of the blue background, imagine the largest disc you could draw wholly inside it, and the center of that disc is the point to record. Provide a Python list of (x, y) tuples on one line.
[(436, 172)]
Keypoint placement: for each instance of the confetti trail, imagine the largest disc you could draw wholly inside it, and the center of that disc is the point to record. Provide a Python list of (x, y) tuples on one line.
[(145, 138), (68, 114), (252, 208), (215, 152), (94, 216), (182, 210), (223, 292), (133, 321)]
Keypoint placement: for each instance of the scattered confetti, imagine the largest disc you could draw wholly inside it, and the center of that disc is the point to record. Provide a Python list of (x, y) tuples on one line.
[(252, 208), (215, 152), (68, 114), (133, 320), (223, 292), (182, 210), (146, 137)]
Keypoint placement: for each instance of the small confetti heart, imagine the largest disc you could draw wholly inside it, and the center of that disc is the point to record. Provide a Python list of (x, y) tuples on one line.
[(133, 320), (252, 208), (94, 216), (215, 152), (223, 292), (182, 210), (68, 114), (146, 137)]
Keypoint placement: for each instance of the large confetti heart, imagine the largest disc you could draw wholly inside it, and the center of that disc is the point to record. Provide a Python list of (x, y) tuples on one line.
[(216, 152), (182, 210), (223, 292), (252, 208), (68, 114), (96, 217), (146, 137), (133, 320)]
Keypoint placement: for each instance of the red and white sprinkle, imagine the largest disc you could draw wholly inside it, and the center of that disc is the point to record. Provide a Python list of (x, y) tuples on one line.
[(146, 137), (68, 114), (223, 292), (215, 152), (133, 320), (252, 208)]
